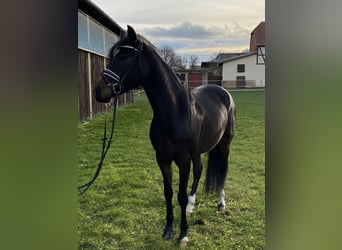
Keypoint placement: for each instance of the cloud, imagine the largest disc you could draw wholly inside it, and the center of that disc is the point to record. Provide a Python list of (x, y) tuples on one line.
[(183, 30), (202, 28), (192, 38), (191, 30)]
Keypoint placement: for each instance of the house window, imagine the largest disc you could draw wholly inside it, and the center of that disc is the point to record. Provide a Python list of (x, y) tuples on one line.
[(240, 68)]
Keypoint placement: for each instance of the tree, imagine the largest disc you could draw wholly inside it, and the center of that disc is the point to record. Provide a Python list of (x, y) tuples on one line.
[(170, 57), (193, 61), (190, 62)]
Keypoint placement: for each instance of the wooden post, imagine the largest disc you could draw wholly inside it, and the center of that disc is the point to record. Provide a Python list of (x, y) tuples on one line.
[(89, 87), (204, 77)]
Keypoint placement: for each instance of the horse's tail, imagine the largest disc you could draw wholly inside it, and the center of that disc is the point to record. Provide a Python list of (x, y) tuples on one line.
[(218, 158), (217, 170)]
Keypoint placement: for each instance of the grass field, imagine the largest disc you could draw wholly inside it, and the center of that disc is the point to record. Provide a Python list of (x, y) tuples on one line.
[(125, 209)]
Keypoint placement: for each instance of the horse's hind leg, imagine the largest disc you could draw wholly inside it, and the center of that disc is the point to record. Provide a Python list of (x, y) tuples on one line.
[(223, 172), (197, 171), (224, 148)]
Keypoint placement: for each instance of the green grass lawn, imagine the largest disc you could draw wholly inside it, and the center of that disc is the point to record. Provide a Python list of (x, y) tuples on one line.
[(125, 208)]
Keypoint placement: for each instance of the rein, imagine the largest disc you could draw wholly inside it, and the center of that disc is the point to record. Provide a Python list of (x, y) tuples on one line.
[(105, 146)]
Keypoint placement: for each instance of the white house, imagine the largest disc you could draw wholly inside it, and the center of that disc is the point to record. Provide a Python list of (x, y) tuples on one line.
[(243, 71), (247, 70)]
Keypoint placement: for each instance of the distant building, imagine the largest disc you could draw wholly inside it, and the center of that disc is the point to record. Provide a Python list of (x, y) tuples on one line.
[(212, 71), (239, 70), (247, 70), (257, 37), (192, 78), (243, 72)]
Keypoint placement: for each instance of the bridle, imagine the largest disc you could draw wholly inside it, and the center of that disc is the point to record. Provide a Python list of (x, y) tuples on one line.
[(116, 82)]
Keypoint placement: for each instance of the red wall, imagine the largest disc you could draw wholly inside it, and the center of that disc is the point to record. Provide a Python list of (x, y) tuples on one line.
[(194, 79)]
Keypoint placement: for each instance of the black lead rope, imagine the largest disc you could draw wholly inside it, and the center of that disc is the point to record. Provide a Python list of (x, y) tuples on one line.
[(82, 189)]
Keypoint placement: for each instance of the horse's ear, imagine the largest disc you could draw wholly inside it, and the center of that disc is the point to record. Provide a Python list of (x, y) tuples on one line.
[(131, 34)]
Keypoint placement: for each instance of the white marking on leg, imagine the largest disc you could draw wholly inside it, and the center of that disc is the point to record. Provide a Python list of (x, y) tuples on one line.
[(190, 205), (183, 242), (221, 203)]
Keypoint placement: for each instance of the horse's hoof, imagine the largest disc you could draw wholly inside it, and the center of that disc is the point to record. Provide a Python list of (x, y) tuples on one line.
[(183, 242), (221, 207), (168, 234), (189, 213)]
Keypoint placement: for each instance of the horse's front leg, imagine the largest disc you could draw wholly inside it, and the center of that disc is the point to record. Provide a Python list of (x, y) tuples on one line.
[(184, 169), (166, 169)]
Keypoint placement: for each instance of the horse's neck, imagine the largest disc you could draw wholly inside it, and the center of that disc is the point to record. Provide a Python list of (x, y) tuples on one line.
[(168, 97)]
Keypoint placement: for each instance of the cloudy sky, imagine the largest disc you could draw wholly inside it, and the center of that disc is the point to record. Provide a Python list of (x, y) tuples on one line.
[(191, 27)]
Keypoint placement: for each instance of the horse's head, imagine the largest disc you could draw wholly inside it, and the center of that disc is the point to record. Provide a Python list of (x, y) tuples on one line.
[(124, 71)]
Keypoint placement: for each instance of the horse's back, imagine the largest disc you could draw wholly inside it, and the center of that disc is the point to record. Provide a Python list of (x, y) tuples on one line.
[(213, 94)]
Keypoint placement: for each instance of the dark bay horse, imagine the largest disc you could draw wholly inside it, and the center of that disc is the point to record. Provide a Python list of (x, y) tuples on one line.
[(185, 123)]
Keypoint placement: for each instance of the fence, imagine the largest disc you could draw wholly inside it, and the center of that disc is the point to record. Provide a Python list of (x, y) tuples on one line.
[(245, 84), (90, 66)]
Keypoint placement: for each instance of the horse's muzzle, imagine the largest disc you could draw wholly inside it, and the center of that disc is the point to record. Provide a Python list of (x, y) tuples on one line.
[(97, 92), (99, 97)]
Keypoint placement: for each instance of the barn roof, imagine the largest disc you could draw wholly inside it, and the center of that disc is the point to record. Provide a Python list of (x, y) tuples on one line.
[(238, 57), (89, 8)]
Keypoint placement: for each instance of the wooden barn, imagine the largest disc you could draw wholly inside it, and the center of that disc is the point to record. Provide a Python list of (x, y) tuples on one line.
[(191, 78), (97, 32)]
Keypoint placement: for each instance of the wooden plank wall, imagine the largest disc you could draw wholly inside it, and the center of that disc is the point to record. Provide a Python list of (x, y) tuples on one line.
[(97, 66), (83, 86), (90, 66)]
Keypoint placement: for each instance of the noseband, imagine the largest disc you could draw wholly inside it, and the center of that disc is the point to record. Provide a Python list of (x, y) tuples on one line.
[(116, 82)]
